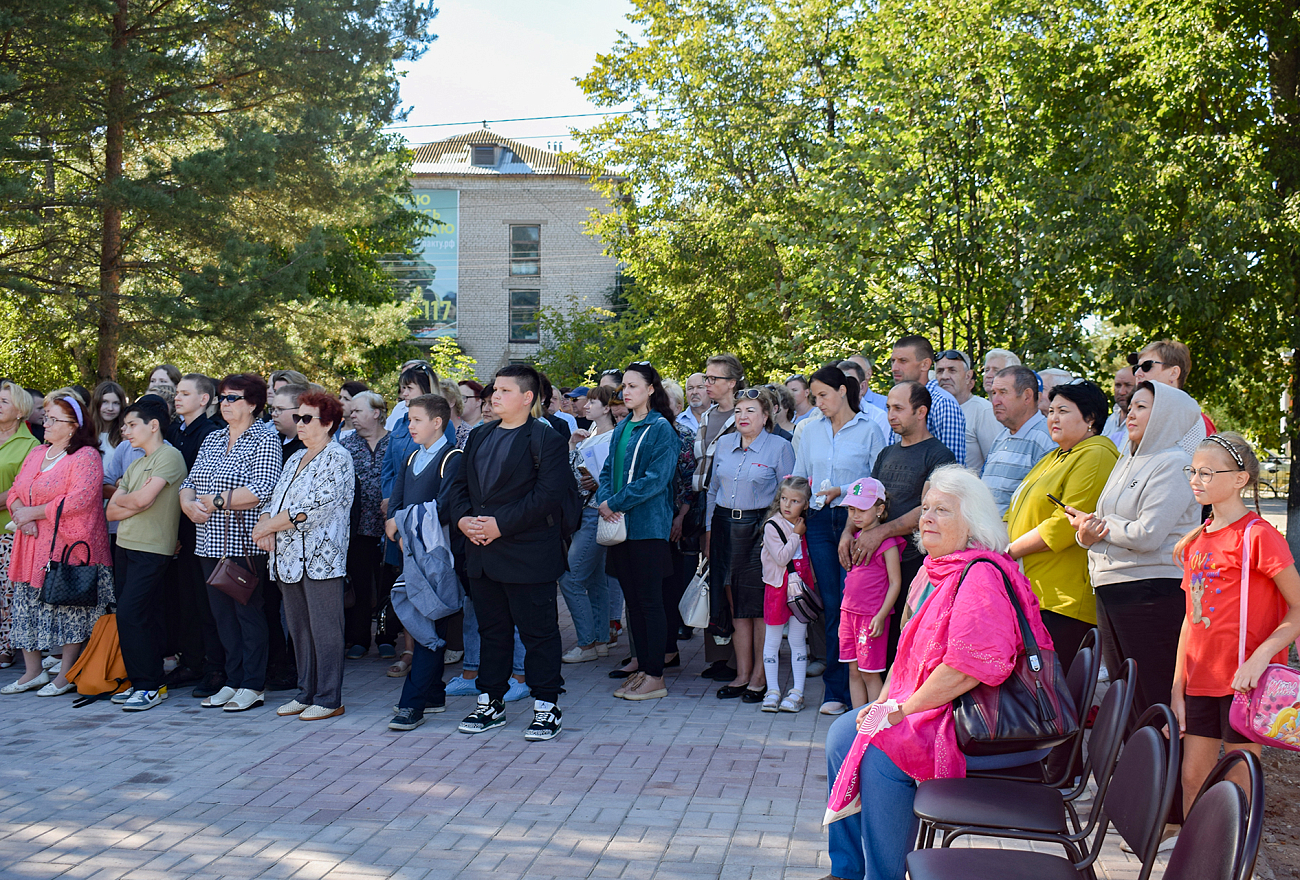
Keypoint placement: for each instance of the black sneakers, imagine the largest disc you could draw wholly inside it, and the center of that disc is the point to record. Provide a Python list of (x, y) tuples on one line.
[(488, 714), (546, 722), (406, 719)]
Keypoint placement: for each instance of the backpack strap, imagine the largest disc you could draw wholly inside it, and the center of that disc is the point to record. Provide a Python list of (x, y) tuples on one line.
[(414, 453), (535, 448), (442, 468)]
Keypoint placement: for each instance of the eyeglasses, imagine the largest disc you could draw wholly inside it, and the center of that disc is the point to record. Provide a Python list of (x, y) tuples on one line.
[(749, 393), (611, 372), (50, 420), (278, 410), (1204, 474), (229, 398), (711, 379), (1146, 366), (303, 420)]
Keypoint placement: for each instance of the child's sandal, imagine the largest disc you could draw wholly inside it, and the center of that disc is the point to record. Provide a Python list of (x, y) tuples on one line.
[(402, 666)]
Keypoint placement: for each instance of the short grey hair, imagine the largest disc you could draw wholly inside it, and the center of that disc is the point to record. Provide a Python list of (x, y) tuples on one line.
[(1009, 358), (373, 399), (983, 519), (675, 393)]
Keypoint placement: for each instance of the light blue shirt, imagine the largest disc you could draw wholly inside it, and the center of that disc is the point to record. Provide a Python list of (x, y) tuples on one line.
[(875, 398), (688, 419), (1013, 456), (840, 458), (424, 456), (746, 479)]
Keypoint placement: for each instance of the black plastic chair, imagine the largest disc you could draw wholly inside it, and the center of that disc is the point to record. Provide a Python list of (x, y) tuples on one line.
[(1136, 803), (1220, 838), (1001, 808), (1081, 681)]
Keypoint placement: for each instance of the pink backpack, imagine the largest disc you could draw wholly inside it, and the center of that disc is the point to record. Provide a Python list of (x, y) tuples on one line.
[(1270, 713)]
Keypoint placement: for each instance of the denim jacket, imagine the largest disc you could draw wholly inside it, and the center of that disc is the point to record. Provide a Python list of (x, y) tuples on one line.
[(646, 498)]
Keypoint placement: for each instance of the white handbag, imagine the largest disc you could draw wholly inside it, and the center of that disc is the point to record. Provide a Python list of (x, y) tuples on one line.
[(694, 606), (610, 533)]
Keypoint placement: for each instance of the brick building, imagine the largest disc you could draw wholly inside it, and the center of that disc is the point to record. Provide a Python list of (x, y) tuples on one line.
[(510, 236)]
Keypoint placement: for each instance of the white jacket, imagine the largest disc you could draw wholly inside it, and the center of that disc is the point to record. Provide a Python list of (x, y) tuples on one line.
[(322, 493)]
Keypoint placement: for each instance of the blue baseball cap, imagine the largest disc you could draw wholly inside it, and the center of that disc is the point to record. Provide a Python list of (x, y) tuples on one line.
[(580, 391)]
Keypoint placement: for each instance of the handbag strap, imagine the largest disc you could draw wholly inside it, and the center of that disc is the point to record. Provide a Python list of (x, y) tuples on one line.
[(789, 566), (57, 516), (631, 471), (1032, 652), (1245, 590)]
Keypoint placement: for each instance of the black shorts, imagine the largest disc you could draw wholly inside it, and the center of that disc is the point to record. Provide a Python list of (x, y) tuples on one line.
[(1208, 717)]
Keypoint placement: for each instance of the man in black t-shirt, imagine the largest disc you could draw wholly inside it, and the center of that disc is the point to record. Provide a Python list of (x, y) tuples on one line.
[(904, 469)]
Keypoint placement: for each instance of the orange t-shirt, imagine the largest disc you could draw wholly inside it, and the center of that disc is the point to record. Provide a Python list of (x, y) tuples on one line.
[(1212, 581)]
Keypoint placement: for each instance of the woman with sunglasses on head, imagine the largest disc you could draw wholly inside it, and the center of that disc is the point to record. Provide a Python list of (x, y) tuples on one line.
[(232, 480), (306, 530), (747, 468), (636, 485), (56, 502)]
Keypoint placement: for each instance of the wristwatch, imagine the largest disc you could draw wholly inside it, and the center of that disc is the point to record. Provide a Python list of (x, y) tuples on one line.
[(219, 501)]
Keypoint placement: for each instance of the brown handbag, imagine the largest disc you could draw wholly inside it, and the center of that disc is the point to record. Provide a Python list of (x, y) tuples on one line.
[(237, 581)]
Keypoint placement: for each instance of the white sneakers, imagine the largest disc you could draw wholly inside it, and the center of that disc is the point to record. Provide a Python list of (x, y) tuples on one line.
[(579, 654), (319, 713)]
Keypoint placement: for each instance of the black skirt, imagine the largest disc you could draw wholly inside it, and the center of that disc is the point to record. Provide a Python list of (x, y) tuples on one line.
[(735, 545)]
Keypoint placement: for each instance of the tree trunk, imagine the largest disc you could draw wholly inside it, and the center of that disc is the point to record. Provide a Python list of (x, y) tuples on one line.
[(110, 257)]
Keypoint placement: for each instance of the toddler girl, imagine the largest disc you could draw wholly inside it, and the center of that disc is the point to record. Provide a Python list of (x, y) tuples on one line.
[(1208, 669), (870, 589), (785, 549)]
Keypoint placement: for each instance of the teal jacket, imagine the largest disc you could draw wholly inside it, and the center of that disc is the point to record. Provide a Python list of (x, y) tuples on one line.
[(646, 498)]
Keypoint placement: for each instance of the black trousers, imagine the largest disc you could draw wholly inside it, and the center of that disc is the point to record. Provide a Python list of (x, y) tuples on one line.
[(243, 628), (367, 579), (1066, 633), (534, 610), (640, 568), (139, 578), (192, 630), (424, 687), (1141, 620)]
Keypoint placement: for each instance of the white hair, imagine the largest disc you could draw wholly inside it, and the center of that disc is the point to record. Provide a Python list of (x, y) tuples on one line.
[(976, 505), (1056, 372), (1008, 358), (373, 398)]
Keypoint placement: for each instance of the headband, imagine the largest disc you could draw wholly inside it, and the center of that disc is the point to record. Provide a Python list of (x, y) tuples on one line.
[(1232, 450), (76, 408)]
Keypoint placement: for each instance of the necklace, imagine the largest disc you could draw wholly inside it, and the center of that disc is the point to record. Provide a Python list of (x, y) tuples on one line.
[(49, 460)]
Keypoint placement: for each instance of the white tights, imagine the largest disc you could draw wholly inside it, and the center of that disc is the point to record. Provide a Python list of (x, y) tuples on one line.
[(798, 655)]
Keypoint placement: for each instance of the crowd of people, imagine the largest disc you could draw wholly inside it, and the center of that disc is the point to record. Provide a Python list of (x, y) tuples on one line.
[(257, 535)]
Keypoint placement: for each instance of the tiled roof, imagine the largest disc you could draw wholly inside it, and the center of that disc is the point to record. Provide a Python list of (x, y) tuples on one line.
[(453, 156)]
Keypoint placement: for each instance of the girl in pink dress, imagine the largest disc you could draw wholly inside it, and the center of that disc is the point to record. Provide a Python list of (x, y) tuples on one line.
[(62, 479), (785, 548), (870, 588)]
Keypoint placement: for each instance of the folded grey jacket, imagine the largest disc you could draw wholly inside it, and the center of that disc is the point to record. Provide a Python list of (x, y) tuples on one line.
[(429, 589), (1147, 501)]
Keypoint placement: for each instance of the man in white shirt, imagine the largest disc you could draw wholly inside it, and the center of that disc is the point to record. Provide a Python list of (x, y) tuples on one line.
[(995, 361), (1117, 425), (697, 402), (952, 370), (865, 394)]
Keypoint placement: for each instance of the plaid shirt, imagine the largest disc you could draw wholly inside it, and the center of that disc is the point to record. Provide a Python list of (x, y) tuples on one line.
[(254, 463)]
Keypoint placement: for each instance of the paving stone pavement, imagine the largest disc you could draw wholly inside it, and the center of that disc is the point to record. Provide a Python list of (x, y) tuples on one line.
[(687, 787)]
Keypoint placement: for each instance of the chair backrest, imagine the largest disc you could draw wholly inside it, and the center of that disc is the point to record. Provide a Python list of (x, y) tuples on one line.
[(1254, 819), (1137, 799), (1212, 843), (1081, 680), (1108, 728)]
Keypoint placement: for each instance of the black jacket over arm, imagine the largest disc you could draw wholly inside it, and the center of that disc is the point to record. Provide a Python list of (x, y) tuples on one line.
[(525, 502)]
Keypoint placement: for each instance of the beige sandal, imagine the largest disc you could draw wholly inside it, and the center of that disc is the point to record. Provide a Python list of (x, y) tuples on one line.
[(402, 666)]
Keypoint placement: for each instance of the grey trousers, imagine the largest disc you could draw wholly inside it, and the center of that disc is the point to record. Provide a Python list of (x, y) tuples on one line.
[(314, 612)]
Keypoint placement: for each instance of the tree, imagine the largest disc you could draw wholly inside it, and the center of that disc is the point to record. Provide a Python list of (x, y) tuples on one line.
[(175, 168), (579, 342)]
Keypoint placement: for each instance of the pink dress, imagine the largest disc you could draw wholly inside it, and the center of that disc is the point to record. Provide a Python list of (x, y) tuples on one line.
[(77, 483), (973, 630), (865, 588), (776, 554)]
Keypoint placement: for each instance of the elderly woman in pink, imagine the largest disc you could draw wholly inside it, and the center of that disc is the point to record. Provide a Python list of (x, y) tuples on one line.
[(954, 640), (61, 482)]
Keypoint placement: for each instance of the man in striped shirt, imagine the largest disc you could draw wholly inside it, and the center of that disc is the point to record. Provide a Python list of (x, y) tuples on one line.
[(1023, 439)]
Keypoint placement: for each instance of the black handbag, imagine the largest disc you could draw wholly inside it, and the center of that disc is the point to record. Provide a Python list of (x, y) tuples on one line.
[(67, 583), (1031, 710)]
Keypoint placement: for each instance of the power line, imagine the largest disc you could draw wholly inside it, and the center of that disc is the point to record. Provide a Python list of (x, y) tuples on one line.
[(519, 119)]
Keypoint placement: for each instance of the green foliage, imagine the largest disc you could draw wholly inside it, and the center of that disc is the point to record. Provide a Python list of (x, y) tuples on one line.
[(808, 177), (580, 342), (198, 169), (450, 361)]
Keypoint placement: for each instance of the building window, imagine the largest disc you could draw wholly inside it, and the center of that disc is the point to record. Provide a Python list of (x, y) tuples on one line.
[(524, 305), (525, 250), (484, 156)]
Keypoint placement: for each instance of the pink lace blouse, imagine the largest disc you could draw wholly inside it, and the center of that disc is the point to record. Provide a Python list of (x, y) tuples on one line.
[(76, 482)]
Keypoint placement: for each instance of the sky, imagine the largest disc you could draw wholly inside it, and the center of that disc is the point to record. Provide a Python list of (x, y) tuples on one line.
[(507, 59)]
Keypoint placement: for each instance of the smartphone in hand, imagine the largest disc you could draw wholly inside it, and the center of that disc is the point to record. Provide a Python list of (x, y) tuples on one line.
[(1057, 501)]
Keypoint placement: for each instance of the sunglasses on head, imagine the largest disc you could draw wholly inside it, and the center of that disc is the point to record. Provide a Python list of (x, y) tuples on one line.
[(303, 420), (953, 354), (749, 393)]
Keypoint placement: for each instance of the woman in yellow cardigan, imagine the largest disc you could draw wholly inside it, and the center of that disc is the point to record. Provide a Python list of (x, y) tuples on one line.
[(1041, 535)]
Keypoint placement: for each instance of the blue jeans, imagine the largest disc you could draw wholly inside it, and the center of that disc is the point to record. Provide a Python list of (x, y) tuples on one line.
[(424, 687), (470, 630), (824, 529), (875, 842), (585, 586)]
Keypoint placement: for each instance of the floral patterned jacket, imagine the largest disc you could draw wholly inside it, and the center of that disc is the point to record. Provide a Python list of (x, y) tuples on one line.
[(319, 502)]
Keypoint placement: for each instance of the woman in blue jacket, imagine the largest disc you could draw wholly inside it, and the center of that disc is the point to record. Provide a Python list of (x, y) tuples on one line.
[(636, 483)]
